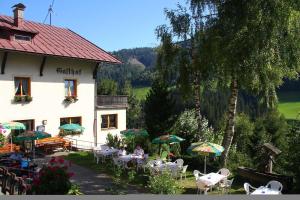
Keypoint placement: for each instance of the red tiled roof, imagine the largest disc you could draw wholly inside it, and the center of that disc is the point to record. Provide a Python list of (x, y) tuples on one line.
[(53, 41)]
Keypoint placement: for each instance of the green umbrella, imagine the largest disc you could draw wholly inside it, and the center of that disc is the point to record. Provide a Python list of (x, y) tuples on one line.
[(14, 126), (205, 148), (72, 127), (32, 135), (134, 132), (167, 139)]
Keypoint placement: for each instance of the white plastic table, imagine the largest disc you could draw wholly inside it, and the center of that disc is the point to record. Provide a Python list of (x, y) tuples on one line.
[(107, 152), (211, 179), (262, 190), (126, 158), (168, 165)]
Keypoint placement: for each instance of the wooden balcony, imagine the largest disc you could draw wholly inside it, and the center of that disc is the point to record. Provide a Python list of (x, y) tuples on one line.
[(106, 101)]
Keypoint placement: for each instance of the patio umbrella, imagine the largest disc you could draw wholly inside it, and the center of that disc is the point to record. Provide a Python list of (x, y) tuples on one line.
[(32, 135), (134, 132), (13, 126), (72, 127), (205, 148), (167, 139)]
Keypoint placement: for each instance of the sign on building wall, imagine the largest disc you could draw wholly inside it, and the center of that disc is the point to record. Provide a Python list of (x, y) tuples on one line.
[(69, 71)]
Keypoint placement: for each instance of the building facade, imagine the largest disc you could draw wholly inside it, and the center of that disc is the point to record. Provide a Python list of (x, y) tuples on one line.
[(48, 78)]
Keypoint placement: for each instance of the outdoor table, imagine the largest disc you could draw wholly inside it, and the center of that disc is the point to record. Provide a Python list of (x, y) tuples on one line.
[(262, 190), (211, 179), (168, 165), (107, 152), (127, 158)]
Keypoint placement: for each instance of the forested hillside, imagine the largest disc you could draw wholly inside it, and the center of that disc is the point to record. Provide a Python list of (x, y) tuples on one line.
[(138, 66)]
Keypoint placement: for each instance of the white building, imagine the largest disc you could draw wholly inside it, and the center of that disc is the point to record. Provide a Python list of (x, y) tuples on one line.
[(48, 78)]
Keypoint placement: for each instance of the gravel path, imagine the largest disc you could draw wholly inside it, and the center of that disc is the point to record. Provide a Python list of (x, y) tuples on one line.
[(92, 183)]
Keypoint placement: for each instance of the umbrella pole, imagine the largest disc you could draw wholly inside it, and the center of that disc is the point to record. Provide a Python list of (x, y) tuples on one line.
[(204, 164)]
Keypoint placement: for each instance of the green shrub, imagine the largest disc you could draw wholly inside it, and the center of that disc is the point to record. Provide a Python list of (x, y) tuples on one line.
[(2, 140), (75, 190), (131, 175), (113, 141), (163, 184)]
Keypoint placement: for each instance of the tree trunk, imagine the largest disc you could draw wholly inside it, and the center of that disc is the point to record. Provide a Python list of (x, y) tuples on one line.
[(197, 103), (229, 132)]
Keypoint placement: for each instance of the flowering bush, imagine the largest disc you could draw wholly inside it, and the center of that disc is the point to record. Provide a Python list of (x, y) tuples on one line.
[(53, 178)]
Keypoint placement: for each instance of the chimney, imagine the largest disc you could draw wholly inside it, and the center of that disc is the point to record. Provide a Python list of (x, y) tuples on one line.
[(18, 14)]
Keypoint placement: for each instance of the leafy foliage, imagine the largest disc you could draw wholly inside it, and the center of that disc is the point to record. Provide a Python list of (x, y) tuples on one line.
[(163, 184), (2, 140), (107, 87), (113, 141)]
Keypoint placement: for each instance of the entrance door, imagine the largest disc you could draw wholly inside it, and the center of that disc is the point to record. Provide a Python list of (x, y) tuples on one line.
[(29, 124)]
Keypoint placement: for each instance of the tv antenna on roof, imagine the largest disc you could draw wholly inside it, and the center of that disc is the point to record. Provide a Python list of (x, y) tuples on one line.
[(50, 12)]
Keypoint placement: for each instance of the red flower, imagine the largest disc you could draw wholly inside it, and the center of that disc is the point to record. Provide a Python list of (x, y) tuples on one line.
[(61, 160)]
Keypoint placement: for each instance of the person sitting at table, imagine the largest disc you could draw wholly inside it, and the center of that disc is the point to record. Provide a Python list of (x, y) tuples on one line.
[(25, 162), (139, 151), (122, 152)]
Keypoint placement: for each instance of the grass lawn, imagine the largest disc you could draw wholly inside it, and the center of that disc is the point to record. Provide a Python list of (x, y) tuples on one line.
[(188, 185), (289, 104), (141, 92)]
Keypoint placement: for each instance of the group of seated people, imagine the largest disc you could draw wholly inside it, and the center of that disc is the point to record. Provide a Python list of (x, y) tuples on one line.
[(17, 160)]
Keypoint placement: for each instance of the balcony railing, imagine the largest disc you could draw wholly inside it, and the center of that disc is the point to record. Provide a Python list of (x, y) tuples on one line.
[(112, 101)]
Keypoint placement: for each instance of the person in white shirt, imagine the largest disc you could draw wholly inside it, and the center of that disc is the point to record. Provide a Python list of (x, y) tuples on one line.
[(122, 152), (139, 151)]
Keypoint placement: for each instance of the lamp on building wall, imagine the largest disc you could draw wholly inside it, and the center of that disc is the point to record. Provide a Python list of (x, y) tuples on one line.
[(44, 122)]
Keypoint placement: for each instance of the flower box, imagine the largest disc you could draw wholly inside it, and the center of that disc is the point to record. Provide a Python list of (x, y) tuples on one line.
[(70, 99), (22, 99)]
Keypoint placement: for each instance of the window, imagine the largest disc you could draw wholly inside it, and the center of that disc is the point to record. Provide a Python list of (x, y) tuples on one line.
[(70, 120), (109, 121), (22, 86), (25, 38), (70, 88), (29, 124)]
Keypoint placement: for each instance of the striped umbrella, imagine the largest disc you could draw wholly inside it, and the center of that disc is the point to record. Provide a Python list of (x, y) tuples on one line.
[(13, 126), (205, 148)]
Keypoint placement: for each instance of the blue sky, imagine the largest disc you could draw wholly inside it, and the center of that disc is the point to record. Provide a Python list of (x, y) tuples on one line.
[(110, 24)]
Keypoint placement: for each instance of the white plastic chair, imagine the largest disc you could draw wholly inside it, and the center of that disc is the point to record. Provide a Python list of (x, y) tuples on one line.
[(226, 185), (197, 174), (183, 172), (224, 172), (275, 185), (202, 187), (179, 163), (117, 162), (249, 188)]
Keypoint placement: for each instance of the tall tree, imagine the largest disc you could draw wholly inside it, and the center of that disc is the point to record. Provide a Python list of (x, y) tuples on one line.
[(159, 109), (184, 51), (258, 44)]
